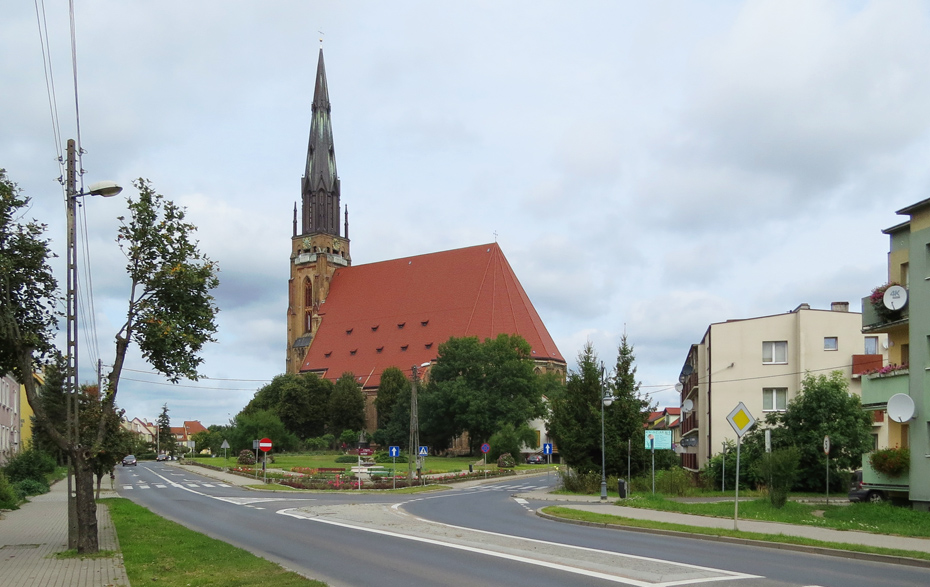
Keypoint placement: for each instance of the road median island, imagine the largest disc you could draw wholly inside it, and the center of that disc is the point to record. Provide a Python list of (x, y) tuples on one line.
[(584, 516)]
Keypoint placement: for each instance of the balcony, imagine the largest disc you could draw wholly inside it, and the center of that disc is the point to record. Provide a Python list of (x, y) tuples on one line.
[(876, 479), (876, 389), (862, 364), (875, 321)]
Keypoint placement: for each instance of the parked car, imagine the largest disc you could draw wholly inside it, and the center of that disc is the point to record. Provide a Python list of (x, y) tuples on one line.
[(859, 493), (161, 457), (535, 460), (129, 460)]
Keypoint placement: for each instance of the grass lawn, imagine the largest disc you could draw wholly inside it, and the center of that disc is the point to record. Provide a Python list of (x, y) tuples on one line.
[(158, 551), (779, 538), (881, 518)]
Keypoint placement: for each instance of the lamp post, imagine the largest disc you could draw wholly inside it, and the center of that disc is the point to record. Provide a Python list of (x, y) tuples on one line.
[(606, 400), (106, 189)]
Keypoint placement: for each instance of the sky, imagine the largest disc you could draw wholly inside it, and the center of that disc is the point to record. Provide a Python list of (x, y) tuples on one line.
[(646, 167)]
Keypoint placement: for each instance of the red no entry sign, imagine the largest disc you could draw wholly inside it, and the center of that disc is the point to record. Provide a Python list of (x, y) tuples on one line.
[(264, 444)]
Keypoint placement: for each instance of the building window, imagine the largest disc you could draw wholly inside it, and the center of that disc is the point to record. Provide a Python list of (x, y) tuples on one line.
[(871, 345), (774, 399), (830, 343), (775, 352)]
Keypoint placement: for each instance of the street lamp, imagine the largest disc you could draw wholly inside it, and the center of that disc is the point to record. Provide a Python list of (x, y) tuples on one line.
[(606, 400), (105, 189)]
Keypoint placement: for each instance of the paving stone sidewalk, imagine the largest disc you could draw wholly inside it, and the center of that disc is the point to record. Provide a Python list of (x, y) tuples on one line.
[(31, 535)]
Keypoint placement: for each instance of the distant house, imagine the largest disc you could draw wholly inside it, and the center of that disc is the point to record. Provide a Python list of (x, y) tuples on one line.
[(11, 418), (183, 435)]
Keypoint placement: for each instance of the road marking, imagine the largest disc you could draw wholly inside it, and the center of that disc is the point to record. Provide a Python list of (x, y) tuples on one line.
[(207, 485), (143, 487), (127, 486), (158, 485), (726, 575), (520, 500)]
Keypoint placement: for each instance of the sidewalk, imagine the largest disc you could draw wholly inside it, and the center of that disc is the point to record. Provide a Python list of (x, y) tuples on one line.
[(30, 536), (592, 503)]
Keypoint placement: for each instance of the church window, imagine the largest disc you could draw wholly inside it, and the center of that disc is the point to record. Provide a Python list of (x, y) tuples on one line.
[(379, 349), (375, 327), (401, 325), (403, 348), (349, 330), (429, 345), (424, 322), (327, 354), (353, 351)]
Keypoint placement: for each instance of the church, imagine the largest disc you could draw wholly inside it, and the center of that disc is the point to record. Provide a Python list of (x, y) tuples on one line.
[(363, 319)]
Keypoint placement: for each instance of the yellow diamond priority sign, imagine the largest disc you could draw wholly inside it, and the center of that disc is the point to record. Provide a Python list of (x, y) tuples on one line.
[(741, 420)]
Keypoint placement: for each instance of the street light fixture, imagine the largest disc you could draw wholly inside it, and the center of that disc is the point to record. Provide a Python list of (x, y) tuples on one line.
[(606, 400), (106, 189)]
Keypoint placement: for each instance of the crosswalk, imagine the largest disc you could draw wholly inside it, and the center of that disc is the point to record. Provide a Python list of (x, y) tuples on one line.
[(499, 487), (142, 485)]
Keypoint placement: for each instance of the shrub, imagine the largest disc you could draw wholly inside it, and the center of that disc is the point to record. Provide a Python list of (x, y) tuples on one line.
[(580, 482), (31, 487), (8, 495), (506, 461), (246, 457), (779, 470), (892, 462), (675, 481), (383, 457), (347, 459), (314, 444), (29, 464)]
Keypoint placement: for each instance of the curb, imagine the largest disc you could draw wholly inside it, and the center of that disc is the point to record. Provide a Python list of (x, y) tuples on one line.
[(864, 556)]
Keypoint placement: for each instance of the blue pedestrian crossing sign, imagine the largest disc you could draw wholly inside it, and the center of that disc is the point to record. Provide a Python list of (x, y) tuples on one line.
[(424, 451), (547, 448), (394, 451)]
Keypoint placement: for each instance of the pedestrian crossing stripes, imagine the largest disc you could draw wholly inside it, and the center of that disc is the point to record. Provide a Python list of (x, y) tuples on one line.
[(162, 486)]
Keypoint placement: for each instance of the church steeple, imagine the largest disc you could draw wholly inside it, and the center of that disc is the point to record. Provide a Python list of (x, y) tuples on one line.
[(320, 183)]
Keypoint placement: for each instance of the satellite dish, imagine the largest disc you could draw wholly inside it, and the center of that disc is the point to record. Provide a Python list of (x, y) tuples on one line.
[(687, 405), (885, 344), (900, 407), (679, 387)]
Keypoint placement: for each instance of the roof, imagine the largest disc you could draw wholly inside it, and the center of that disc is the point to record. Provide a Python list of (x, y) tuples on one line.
[(396, 313)]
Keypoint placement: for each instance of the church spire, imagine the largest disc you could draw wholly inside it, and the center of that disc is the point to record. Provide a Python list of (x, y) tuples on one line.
[(320, 184)]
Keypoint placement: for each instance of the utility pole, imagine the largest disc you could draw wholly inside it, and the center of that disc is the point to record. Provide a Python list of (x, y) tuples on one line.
[(414, 444), (71, 379)]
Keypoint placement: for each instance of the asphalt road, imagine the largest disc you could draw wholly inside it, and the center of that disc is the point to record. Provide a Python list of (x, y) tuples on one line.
[(475, 536)]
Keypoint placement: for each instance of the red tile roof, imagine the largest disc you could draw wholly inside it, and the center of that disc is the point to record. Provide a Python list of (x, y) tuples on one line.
[(396, 313)]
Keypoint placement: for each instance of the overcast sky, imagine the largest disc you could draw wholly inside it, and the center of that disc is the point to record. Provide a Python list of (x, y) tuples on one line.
[(653, 166)]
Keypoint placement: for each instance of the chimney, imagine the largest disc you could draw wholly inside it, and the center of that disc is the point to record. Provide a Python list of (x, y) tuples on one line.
[(839, 306)]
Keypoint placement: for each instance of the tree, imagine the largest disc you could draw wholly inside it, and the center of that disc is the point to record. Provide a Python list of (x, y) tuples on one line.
[(165, 441), (257, 425), (575, 423), (823, 407), (300, 401), (479, 387), (346, 406), (625, 417), (393, 385)]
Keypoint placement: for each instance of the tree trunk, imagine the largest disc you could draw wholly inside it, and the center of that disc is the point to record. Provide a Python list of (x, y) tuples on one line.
[(99, 480), (86, 506)]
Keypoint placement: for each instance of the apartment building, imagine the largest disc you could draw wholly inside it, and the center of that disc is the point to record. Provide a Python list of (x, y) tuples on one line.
[(761, 363)]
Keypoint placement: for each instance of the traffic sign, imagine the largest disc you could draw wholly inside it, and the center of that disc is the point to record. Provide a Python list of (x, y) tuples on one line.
[(264, 444), (741, 420), (826, 445), (225, 444), (394, 451), (365, 452), (547, 448), (485, 447), (423, 452)]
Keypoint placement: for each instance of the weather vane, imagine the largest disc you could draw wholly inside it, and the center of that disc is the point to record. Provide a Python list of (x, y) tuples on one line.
[(321, 39)]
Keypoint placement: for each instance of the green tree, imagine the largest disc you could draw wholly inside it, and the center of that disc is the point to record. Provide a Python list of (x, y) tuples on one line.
[(509, 440), (393, 385), (625, 417), (346, 406), (257, 425), (301, 401), (479, 387), (165, 441), (823, 407), (575, 423)]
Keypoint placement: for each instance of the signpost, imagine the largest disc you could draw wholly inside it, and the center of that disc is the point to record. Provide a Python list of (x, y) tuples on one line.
[(484, 450), (264, 445), (657, 439), (394, 451), (422, 453), (741, 421), (225, 446), (547, 450), (826, 451)]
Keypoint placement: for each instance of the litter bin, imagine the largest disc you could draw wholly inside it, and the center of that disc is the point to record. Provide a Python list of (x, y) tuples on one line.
[(470, 469), (621, 488)]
